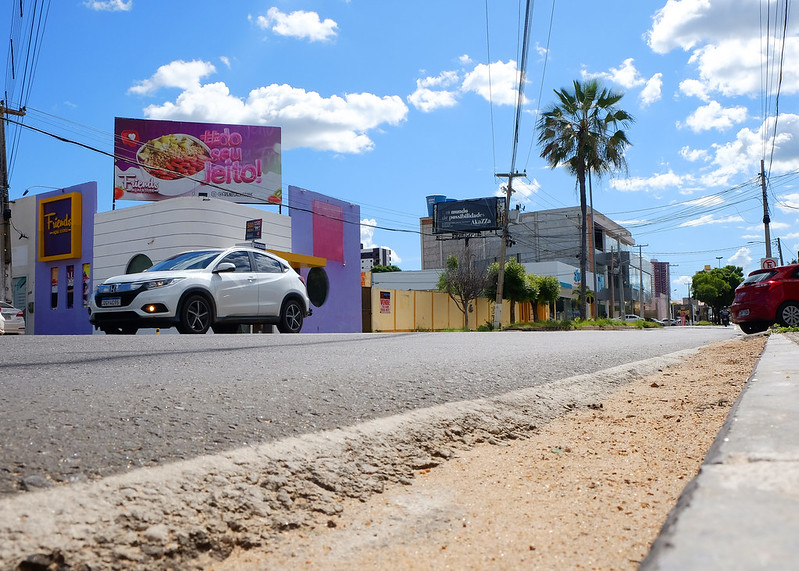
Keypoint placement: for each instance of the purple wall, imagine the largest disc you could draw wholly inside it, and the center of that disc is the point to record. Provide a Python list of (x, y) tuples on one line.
[(62, 319), (329, 228)]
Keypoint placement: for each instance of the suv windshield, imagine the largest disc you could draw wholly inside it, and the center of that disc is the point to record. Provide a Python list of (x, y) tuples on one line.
[(187, 261)]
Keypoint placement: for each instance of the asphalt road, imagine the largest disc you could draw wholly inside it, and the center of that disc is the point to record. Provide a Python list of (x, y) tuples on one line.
[(74, 408)]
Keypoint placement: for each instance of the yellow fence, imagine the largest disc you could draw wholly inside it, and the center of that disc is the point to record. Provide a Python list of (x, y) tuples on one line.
[(408, 310)]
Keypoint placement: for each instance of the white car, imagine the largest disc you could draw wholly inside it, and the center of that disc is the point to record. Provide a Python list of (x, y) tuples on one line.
[(12, 320), (632, 317), (218, 289)]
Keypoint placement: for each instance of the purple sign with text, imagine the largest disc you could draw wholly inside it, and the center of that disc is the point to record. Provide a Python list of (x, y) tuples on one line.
[(155, 160)]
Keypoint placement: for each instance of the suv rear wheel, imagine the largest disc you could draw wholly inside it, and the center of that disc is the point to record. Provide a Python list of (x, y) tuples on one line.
[(195, 315), (290, 317), (788, 314)]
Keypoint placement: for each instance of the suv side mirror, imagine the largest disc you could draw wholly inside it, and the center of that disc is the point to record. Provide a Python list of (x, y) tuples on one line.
[(225, 267)]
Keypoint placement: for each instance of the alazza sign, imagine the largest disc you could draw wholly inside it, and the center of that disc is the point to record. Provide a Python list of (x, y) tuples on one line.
[(474, 215)]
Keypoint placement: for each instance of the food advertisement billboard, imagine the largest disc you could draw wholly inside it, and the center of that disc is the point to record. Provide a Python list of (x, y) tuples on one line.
[(474, 215), (156, 160)]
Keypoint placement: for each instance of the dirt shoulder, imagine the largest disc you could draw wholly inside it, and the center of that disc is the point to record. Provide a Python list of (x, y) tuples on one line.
[(590, 489)]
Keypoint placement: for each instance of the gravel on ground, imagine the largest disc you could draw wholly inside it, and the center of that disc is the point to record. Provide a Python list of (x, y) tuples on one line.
[(588, 490)]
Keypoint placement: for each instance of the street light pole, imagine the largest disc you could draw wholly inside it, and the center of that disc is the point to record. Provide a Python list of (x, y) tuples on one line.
[(719, 260)]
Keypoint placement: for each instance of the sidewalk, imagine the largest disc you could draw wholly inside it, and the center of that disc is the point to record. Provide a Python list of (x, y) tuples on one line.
[(742, 510)]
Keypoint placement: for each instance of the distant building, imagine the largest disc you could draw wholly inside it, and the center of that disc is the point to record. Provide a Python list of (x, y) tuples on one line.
[(622, 282), (660, 277), (371, 257)]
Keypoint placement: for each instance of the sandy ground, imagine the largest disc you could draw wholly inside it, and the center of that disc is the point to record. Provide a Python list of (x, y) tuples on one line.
[(589, 490)]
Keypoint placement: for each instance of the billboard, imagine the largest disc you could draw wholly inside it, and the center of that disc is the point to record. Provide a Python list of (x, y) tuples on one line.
[(156, 160), (475, 215)]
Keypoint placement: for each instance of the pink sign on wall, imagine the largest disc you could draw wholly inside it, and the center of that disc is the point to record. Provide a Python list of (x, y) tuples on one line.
[(155, 160)]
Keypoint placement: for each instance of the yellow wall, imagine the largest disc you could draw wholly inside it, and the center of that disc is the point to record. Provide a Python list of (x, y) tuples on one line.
[(430, 310)]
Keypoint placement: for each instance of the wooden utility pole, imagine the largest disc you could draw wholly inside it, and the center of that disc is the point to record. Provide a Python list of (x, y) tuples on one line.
[(5, 208), (503, 249), (766, 219)]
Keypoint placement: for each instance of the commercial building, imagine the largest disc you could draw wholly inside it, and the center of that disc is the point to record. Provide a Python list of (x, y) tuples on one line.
[(63, 248), (371, 257), (619, 275)]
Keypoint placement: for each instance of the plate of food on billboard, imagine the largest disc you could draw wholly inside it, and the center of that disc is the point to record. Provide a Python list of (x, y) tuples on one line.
[(155, 160)]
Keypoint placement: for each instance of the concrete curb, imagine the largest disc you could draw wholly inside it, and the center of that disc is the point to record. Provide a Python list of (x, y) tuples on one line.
[(742, 509)]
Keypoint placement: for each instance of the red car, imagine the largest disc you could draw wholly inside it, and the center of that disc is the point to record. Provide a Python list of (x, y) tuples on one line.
[(766, 297)]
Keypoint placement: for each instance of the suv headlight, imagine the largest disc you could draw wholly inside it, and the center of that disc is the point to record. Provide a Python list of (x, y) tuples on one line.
[(153, 284)]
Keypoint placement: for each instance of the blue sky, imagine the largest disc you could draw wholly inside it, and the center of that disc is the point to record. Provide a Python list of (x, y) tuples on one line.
[(382, 104)]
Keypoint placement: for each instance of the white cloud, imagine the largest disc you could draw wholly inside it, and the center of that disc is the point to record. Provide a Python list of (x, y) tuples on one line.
[(309, 120), (655, 182), (710, 200), (714, 116), (739, 155), (693, 155), (788, 203), (368, 232), (541, 50), (684, 24), (710, 219), (652, 90), (426, 98), (503, 88), (743, 257), (629, 77), (299, 24), (694, 88), (625, 75), (522, 190), (725, 40), (181, 74), (110, 5)]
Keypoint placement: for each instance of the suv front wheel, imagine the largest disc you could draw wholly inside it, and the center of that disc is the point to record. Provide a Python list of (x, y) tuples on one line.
[(195, 315), (290, 317)]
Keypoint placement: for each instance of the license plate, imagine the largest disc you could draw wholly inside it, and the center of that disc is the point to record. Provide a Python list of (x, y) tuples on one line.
[(111, 302)]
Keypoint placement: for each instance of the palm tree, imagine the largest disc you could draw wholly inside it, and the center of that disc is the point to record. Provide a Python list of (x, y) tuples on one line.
[(584, 132)]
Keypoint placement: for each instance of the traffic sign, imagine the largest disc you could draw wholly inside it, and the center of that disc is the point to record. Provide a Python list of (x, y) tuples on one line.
[(768, 263)]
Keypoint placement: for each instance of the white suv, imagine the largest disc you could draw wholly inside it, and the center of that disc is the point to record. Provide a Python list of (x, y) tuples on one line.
[(197, 290)]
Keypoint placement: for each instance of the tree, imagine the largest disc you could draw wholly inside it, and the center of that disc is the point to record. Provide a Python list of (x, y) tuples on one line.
[(716, 287), (584, 132), (377, 269), (515, 286), (464, 283), (548, 288)]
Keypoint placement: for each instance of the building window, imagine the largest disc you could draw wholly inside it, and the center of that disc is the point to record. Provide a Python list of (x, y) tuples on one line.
[(318, 286), (138, 263)]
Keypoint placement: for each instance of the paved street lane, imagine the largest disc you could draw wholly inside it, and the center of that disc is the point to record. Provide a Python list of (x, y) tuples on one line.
[(78, 408)]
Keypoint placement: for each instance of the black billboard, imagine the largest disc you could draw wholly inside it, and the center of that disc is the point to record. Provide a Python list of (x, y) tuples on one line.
[(474, 215)]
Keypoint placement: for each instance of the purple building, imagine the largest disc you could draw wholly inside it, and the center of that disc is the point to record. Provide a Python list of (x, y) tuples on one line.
[(327, 228)]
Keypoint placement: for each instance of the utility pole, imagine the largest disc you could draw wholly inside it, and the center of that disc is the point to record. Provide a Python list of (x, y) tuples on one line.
[(5, 208), (766, 219), (503, 249), (641, 279)]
